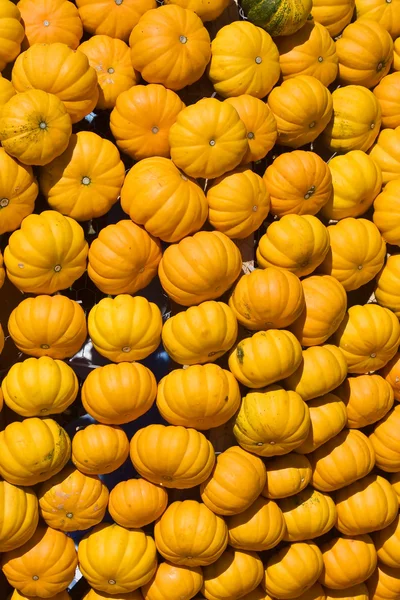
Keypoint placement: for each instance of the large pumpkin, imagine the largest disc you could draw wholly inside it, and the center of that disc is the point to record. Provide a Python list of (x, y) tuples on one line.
[(18, 190), (385, 442), (307, 515), (387, 544), (286, 475), (11, 33), (136, 503), (234, 574), (333, 14), (328, 417), (206, 12), (384, 584), (283, 19), (386, 284), (368, 398), (348, 561), (391, 372), (386, 154), (170, 580), (19, 515), (387, 94), (258, 528), (48, 21), (385, 13), (99, 449)]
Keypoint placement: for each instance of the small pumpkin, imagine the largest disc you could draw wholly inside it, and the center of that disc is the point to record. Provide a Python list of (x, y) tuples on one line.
[(333, 14), (387, 94), (384, 440), (99, 449), (18, 191), (136, 503), (392, 375), (384, 583), (16, 595), (95, 595), (206, 12), (387, 544), (284, 19), (12, 33), (385, 13), (328, 417), (235, 573), (171, 579), (348, 561), (7, 91), (287, 475), (19, 515), (396, 55), (386, 282), (357, 592), (386, 154), (258, 528), (368, 398), (48, 21), (307, 515)]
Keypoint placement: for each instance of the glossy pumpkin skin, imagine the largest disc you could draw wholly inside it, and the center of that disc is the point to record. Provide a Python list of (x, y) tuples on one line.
[(386, 153), (384, 583), (38, 387), (125, 328), (12, 33), (52, 326), (387, 544), (235, 573), (368, 398), (386, 14), (16, 595), (387, 94), (15, 206), (307, 515), (258, 528), (348, 561), (6, 91), (126, 557), (172, 579), (385, 294), (281, 18), (85, 181), (357, 592), (72, 501), (332, 14), (244, 60), (206, 12), (396, 55), (384, 440), (19, 515), (236, 482), (208, 139), (200, 334), (35, 127), (47, 254), (99, 449), (391, 372), (328, 417), (287, 475), (50, 21), (136, 502), (301, 257)]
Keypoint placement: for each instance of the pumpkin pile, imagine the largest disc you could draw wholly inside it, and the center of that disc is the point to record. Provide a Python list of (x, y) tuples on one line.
[(271, 470)]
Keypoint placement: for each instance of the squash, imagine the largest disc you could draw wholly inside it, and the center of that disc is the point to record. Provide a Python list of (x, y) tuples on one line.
[(357, 592), (384, 440), (205, 10), (47, 254), (19, 515), (356, 120), (302, 107), (258, 528), (386, 154), (86, 180), (172, 456), (125, 329), (268, 298), (307, 515), (72, 501), (238, 203), (385, 13), (348, 561), (37, 387), (315, 592), (158, 196), (386, 282), (136, 503), (200, 334), (201, 396), (170, 580), (328, 417), (302, 257), (333, 14), (287, 475), (48, 21), (7, 91), (392, 375), (35, 127), (99, 449), (394, 479), (387, 544), (283, 18), (368, 398), (44, 566), (272, 421), (396, 55), (15, 205), (115, 19), (387, 94), (16, 595), (236, 482), (199, 268), (325, 308), (384, 584), (116, 560), (52, 326), (12, 33), (95, 595), (244, 60), (234, 574)]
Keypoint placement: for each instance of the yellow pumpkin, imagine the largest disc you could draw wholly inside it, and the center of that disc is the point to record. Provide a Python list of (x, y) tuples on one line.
[(328, 417), (16, 595), (387, 544), (48, 21), (18, 191), (385, 442), (286, 475), (357, 592), (394, 479), (384, 584), (12, 33), (234, 574), (385, 13), (99, 449), (391, 373), (307, 515), (19, 515), (368, 398), (386, 282), (348, 561), (386, 154), (258, 528), (387, 93), (7, 91), (396, 57), (170, 580), (333, 14), (205, 10), (136, 502)]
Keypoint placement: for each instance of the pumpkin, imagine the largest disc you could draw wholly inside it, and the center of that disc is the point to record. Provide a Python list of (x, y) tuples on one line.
[(307, 515), (286, 475), (357, 592), (387, 544), (201, 396), (258, 528), (302, 558), (142, 118), (47, 254), (272, 421), (200, 334), (236, 482), (98, 449), (302, 257), (16, 595), (95, 595), (6, 91), (309, 51), (43, 566), (12, 33), (116, 560), (333, 14), (325, 307), (383, 12), (394, 479), (298, 183), (266, 357), (37, 387), (260, 125), (384, 440), (328, 417), (386, 154), (199, 268), (18, 191), (368, 398), (322, 370), (124, 328), (234, 574), (48, 21), (52, 326), (378, 342), (85, 181), (170, 580), (238, 203), (208, 139), (19, 515), (391, 373), (384, 584), (396, 55), (172, 456), (357, 252), (257, 594), (115, 19), (387, 94), (315, 592), (357, 180), (367, 505), (123, 259), (348, 561), (35, 127), (72, 501), (385, 293), (205, 10), (2, 271), (244, 60), (158, 196), (136, 502), (284, 18)]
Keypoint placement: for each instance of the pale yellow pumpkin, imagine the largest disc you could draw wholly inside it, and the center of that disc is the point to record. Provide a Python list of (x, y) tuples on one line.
[(307, 515)]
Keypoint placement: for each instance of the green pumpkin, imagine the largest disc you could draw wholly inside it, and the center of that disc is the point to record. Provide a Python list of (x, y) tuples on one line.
[(278, 17)]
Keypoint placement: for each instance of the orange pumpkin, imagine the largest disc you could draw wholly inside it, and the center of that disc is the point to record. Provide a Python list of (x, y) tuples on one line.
[(7, 91), (387, 544), (171, 579), (384, 584), (392, 375), (307, 515), (315, 592), (258, 528), (12, 33), (235, 573), (387, 94), (333, 14), (48, 21), (394, 479), (386, 154), (136, 502), (357, 592), (348, 561), (15, 204), (385, 13), (384, 440), (206, 11), (99, 449), (16, 595), (19, 515), (286, 475), (328, 417), (115, 19), (95, 595), (386, 282), (396, 57), (368, 398)]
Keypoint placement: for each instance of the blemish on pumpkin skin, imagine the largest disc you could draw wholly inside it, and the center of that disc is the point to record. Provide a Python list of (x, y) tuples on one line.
[(240, 354)]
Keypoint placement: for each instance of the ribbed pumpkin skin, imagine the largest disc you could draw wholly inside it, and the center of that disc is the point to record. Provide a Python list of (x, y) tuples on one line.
[(384, 13), (234, 574), (6, 91), (367, 505), (15, 206), (386, 154), (396, 57), (301, 258), (385, 441), (384, 584), (72, 501), (280, 18), (244, 60), (387, 94), (368, 398), (386, 283), (201, 396), (109, 18), (43, 566), (38, 387), (328, 417), (258, 528), (394, 479), (96, 595), (170, 580), (332, 14), (137, 502), (348, 561), (16, 595), (236, 482), (174, 538), (302, 558), (391, 373), (19, 515), (65, 23), (206, 12), (117, 394), (286, 475), (12, 33), (357, 592), (387, 544), (272, 421), (172, 456), (99, 449), (307, 515), (379, 341), (117, 560), (257, 594)]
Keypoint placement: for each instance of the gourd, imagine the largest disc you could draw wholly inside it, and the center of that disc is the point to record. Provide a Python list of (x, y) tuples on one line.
[(357, 592), (384, 583), (6, 91), (283, 19), (48, 21), (136, 503), (333, 14), (19, 515), (391, 373), (287, 475), (99, 449), (15, 205), (307, 515), (387, 544), (172, 579), (206, 12), (384, 440), (368, 398), (12, 33), (385, 13), (386, 282), (387, 93), (235, 573), (386, 154), (260, 527), (348, 561), (328, 417)]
